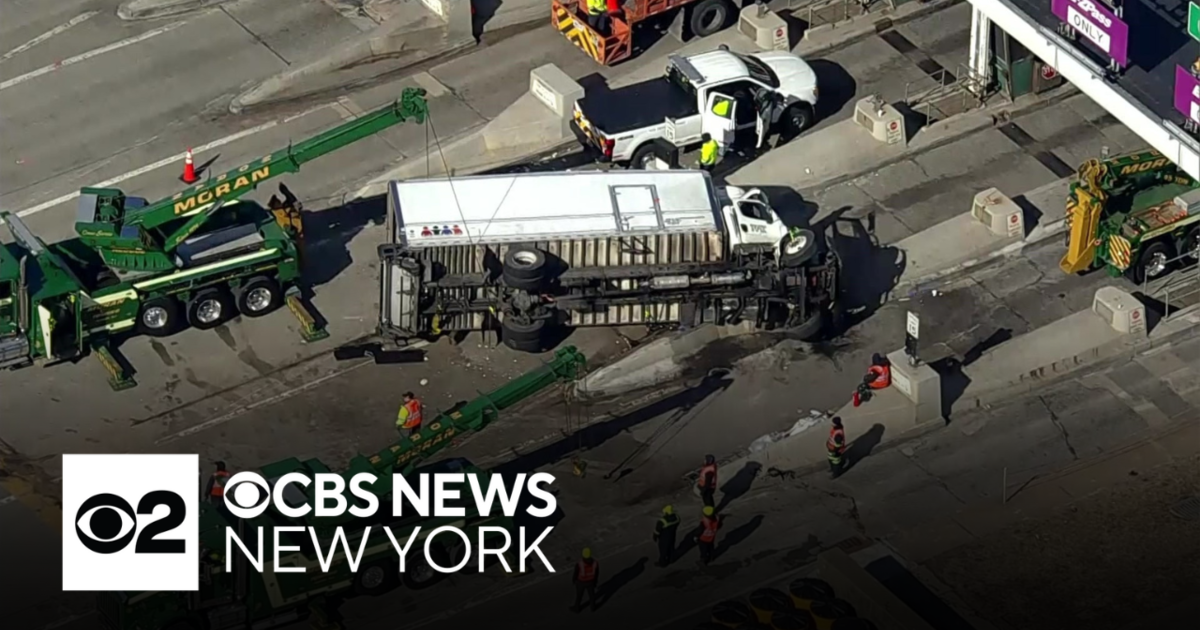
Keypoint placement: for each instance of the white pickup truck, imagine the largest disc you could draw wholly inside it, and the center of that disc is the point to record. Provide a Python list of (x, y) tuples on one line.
[(650, 122)]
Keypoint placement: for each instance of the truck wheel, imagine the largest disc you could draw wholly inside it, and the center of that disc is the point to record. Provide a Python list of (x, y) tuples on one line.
[(158, 317), (523, 336), (796, 249), (524, 268), (708, 17), (376, 579), (797, 119), (1190, 245), (1153, 262), (811, 328), (259, 296), (647, 156), (418, 574), (209, 309)]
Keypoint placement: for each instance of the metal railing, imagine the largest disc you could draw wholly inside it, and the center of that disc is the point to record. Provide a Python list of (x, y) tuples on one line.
[(822, 12), (964, 84), (1181, 282)]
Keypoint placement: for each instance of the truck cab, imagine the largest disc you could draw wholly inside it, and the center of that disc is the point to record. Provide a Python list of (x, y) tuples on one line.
[(751, 222), (652, 121), (40, 307)]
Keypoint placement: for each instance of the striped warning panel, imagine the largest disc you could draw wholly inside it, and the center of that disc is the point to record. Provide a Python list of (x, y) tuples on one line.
[(577, 33), (1119, 251)]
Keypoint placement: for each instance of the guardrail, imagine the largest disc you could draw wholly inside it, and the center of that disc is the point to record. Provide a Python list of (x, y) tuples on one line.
[(931, 102), (1181, 284)]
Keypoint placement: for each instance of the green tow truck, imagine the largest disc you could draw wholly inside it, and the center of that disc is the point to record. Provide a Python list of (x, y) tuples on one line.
[(1134, 214), (245, 599), (198, 258)]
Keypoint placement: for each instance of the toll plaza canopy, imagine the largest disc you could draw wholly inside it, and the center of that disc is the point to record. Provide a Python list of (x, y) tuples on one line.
[(1134, 61)]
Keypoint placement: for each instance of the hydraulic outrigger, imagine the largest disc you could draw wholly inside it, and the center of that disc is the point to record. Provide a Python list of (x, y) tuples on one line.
[(197, 258)]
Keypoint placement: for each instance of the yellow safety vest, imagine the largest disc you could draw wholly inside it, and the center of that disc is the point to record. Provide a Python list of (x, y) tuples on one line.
[(596, 7), (721, 108), (708, 153)]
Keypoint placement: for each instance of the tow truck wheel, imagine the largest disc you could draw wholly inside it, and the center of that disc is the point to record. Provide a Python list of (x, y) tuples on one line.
[(797, 248), (1153, 262), (523, 336), (1190, 245), (158, 317), (708, 17), (209, 309), (524, 268), (418, 574), (376, 579), (259, 297)]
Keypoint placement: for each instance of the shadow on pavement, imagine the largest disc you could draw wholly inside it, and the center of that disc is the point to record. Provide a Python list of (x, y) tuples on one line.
[(954, 383), (328, 232), (737, 535), (862, 445), (609, 587), (908, 589), (594, 435), (739, 485), (836, 85), (793, 209), (870, 270)]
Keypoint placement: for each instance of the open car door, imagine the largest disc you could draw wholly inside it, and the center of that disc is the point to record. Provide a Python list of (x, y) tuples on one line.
[(720, 127)]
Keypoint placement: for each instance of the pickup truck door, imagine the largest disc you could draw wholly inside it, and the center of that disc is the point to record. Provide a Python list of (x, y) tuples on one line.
[(721, 128)]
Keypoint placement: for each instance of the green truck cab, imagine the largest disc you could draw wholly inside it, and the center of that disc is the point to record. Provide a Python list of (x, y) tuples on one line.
[(244, 599), (197, 258)]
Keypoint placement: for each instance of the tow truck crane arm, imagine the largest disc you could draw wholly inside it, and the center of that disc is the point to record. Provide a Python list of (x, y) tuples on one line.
[(436, 434), (117, 221)]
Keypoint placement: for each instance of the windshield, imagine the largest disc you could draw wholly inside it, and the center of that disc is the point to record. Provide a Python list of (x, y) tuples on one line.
[(759, 71)]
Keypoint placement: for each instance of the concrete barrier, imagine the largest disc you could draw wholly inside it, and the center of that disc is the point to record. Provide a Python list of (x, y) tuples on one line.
[(539, 118), (152, 9)]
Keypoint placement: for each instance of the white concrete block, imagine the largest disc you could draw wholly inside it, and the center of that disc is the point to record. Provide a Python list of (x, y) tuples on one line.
[(883, 121), (998, 213), (1125, 313), (920, 384), (767, 30), (557, 91), (456, 13)]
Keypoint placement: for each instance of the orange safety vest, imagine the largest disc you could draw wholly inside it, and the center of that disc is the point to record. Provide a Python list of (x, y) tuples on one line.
[(709, 469), (414, 414), (708, 529), (837, 440), (220, 478), (883, 376), (586, 571)]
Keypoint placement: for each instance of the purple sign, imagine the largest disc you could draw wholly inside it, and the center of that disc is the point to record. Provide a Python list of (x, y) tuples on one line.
[(1187, 93), (1097, 22)]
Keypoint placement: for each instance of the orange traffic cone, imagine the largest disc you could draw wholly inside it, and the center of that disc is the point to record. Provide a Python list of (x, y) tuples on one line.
[(189, 169)]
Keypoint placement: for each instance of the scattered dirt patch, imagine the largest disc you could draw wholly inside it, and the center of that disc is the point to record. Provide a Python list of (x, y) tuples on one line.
[(1101, 563)]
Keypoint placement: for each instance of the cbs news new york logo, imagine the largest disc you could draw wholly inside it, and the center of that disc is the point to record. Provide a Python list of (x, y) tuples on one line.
[(131, 522)]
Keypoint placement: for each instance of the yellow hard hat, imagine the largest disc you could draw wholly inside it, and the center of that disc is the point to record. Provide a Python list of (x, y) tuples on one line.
[(668, 510), (708, 511), (587, 552)]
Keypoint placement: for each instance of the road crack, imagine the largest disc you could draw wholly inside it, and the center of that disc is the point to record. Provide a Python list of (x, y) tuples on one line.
[(1066, 436), (852, 513)]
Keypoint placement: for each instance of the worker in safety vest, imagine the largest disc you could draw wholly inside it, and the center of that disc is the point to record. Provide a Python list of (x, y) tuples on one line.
[(664, 534), (408, 419), (706, 484), (215, 491), (709, 152), (836, 446), (707, 538), (597, 16), (587, 574), (878, 376)]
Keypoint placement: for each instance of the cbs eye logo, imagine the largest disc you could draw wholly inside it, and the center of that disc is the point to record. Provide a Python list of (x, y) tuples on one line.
[(106, 523), (247, 495)]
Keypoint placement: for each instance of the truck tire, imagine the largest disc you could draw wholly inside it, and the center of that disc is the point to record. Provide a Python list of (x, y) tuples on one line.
[(524, 268), (644, 158), (708, 17), (1152, 262), (419, 575), (1190, 245), (797, 119), (209, 308), (811, 328), (376, 579), (159, 317), (523, 336), (794, 252), (259, 296)]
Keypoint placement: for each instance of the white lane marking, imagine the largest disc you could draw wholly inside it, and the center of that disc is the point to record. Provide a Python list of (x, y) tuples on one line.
[(88, 55), (57, 30), (245, 133), (270, 400)]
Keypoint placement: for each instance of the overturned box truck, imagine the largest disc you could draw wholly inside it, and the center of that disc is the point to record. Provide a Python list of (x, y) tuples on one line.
[(532, 253)]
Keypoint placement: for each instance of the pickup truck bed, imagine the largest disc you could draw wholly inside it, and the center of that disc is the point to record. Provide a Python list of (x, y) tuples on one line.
[(636, 106)]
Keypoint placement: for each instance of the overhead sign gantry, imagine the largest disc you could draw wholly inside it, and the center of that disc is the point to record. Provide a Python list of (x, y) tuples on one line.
[(1132, 57)]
